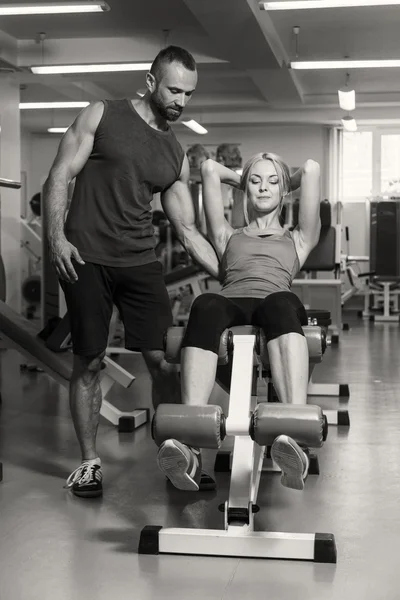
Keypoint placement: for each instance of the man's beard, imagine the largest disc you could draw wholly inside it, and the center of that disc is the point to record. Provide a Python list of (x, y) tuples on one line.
[(166, 112)]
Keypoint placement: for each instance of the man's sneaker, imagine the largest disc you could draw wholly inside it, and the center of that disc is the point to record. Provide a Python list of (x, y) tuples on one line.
[(86, 480), (181, 464), (292, 461)]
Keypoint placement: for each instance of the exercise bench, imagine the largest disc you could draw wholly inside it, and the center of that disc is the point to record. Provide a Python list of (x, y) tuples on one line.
[(254, 426)]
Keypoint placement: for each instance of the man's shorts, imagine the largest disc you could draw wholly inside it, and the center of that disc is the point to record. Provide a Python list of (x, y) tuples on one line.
[(140, 295)]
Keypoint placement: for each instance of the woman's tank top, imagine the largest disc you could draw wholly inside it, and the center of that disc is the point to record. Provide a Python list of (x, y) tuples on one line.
[(257, 263)]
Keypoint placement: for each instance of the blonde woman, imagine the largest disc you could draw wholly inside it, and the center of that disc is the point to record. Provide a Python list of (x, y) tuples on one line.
[(257, 265)]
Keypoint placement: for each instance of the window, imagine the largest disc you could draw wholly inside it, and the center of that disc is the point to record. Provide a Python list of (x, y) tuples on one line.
[(369, 164), (390, 165), (356, 166)]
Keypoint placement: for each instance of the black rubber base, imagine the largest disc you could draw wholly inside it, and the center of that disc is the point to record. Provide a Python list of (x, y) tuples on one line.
[(325, 548), (343, 418), (344, 391), (313, 469), (148, 543), (334, 339), (222, 462), (346, 327), (129, 424)]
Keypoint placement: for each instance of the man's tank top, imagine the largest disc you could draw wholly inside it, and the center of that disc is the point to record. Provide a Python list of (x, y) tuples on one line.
[(256, 264), (110, 217)]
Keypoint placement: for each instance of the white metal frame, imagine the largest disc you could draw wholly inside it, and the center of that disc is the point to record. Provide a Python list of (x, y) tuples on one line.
[(386, 295), (239, 538), (109, 375)]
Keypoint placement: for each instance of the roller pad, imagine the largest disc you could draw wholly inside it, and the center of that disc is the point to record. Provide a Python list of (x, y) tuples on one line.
[(303, 423), (173, 341), (199, 426)]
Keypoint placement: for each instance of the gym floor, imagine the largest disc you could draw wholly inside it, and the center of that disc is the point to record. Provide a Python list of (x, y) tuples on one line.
[(58, 547)]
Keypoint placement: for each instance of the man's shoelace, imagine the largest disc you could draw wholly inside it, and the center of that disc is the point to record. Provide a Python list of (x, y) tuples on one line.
[(83, 474)]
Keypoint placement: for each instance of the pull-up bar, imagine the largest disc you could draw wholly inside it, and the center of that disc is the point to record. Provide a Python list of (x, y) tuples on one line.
[(9, 183)]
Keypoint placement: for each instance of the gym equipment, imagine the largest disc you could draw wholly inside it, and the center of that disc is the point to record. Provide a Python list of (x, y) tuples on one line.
[(189, 279), (196, 279), (21, 334), (10, 183), (338, 416), (384, 281), (325, 293), (56, 337), (254, 426), (36, 205)]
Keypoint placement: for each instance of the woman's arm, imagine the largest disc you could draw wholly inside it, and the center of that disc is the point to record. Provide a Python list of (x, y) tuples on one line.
[(309, 227), (218, 228), (225, 174)]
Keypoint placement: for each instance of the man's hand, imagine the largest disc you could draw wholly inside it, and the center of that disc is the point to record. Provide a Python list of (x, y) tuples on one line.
[(61, 255)]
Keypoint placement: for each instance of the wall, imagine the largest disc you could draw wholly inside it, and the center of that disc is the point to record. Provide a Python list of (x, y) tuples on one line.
[(294, 143), (10, 168), (38, 153)]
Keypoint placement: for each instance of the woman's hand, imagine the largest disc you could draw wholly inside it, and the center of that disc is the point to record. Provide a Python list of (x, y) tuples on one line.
[(211, 168)]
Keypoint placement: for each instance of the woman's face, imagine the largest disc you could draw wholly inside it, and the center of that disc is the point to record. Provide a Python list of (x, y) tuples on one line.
[(263, 187)]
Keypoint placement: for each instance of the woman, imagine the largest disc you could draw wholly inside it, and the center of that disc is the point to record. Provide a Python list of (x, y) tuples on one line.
[(258, 263)]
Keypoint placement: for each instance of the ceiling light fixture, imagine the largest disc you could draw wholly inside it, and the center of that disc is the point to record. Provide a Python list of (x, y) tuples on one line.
[(195, 126), (48, 8), (57, 129), (349, 123), (34, 105), (347, 97), (93, 68), (308, 4), (345, 64)]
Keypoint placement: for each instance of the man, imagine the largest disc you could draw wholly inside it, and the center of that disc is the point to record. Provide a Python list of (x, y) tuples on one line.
[(120, 152)]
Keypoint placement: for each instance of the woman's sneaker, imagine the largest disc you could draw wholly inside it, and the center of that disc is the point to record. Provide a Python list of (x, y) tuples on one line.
[(181, 464), (292, 461), (86, 480)]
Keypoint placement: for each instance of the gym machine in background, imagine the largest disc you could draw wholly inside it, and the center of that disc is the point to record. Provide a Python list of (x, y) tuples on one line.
[(383, 284)]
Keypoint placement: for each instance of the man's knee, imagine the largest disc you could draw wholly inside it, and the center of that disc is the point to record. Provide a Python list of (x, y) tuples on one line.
[(156, 363), (88, 367)]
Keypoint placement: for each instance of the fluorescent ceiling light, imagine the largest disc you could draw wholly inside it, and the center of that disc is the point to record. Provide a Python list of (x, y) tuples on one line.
[(32, 105), (304, 4), (57, 129), (349, 124), (347, 99), (195, 126), (94, 68), (48, 8), (344, 64)]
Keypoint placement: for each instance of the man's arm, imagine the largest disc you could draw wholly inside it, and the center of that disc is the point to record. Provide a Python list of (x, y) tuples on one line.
[(178, 205), (73, 152)]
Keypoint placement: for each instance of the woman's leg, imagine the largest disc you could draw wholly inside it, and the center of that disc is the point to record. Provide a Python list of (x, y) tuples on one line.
[(281, 316), (210, 315)]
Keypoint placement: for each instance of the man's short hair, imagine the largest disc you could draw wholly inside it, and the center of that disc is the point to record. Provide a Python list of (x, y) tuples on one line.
[(169, 55)]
